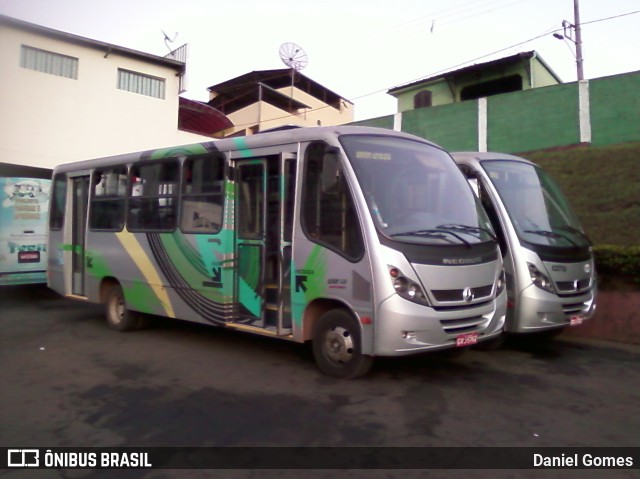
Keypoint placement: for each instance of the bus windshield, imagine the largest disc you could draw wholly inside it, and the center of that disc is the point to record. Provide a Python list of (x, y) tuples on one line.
[(539, 211), (415, 192)]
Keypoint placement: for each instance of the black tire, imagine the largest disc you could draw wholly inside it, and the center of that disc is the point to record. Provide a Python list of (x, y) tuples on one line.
[(118, 316), (337, 346)]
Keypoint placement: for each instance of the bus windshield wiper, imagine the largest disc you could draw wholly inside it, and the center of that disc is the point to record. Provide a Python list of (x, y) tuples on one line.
[(473, 230), (551, 234), (436, 232), (571, 229)]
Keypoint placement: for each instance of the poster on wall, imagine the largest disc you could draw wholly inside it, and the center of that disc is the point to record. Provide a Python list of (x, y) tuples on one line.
[(24, 208)]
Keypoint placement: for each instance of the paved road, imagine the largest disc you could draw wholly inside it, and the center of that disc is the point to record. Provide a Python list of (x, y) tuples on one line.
[(67, 380)]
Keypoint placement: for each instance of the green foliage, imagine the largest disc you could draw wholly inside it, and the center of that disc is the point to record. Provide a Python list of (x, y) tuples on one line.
[(619, 261), (603, 187)]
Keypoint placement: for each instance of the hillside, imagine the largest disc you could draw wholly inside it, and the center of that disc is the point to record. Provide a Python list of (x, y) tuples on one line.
[(603, 186)]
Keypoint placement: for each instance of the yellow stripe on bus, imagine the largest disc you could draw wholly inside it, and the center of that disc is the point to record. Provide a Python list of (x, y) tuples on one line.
[(142, 261)]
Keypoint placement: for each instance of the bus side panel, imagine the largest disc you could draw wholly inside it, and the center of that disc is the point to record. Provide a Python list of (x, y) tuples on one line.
[(24, 205), (167, 274), (321, 275)]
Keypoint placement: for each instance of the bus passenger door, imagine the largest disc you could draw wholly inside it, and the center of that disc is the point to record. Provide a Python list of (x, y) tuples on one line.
[(286, 197), (80, 191), (250, 218)]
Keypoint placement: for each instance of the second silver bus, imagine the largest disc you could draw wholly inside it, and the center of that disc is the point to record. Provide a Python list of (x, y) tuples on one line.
[(551, 277)]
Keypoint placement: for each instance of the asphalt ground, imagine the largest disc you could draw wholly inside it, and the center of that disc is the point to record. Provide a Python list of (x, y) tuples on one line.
[(69, 381)]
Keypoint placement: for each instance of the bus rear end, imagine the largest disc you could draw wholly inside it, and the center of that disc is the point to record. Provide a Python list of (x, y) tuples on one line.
[(24, 204)]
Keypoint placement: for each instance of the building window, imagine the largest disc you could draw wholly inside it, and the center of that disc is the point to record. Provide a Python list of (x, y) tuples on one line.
[(422, 99), (48, 62), (141, 84)]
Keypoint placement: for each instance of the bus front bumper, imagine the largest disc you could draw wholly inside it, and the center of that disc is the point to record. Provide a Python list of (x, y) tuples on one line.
[(404, 328)]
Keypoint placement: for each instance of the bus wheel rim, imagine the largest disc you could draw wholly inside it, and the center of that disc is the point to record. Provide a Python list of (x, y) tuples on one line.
[(338, 345)]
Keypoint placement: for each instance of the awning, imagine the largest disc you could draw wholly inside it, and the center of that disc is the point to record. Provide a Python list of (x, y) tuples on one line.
[(200, 118)]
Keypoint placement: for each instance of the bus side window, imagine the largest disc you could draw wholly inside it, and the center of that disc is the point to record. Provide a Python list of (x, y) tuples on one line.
[(153, 195), (202, 194), (492, 213), (329, 214), (58, 202), (108, 199)]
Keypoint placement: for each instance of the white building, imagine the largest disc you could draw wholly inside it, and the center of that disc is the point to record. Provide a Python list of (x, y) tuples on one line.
[(66, 98)]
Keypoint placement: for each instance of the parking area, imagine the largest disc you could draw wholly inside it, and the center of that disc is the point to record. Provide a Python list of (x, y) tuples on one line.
[(69, 381)]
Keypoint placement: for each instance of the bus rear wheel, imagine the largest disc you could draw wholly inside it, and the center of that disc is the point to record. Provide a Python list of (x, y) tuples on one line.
[(118, 316), (337, 346)]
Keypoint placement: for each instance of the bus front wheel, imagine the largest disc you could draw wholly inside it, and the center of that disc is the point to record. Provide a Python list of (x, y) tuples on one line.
[(337, 346), (118, 316)]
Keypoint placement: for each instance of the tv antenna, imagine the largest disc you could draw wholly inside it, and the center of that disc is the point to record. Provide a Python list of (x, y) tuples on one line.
[(168, 39), (293, 56)]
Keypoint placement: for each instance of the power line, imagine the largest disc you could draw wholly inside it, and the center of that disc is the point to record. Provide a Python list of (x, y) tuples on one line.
[(440, 18), (549, 32), (494, 52)]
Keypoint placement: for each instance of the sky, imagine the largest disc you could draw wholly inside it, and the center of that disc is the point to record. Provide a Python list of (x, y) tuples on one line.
[(359, 49)]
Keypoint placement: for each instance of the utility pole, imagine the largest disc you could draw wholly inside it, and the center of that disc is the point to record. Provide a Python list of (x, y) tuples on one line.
[(572, 32), (578, 41)]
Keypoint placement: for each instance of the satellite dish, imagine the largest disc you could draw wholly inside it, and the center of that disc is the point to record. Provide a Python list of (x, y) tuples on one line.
[(293, 56)]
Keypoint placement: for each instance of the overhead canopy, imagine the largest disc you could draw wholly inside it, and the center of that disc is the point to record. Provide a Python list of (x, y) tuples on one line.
[(200, 118)]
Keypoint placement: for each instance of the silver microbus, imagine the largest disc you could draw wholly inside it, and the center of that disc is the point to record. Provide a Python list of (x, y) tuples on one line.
[(364, 241), (551, 277)]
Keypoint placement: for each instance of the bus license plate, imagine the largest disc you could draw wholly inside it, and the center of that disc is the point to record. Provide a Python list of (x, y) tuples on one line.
[(575, 320), (466, 339)]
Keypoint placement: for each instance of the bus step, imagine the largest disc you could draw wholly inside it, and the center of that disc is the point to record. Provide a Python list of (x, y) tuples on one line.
[(270, 316), (271, 306), (271, 294)]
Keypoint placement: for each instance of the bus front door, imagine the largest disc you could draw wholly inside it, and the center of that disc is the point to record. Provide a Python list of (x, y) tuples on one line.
[(80, 191), (251, 184), (264, 224)]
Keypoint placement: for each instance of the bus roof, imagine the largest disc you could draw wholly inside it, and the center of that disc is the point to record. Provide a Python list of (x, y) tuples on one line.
[(478, 156), (265, 139)]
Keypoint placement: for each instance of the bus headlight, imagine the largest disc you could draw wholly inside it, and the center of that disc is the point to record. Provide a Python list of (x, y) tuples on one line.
[(407, 288), (540, 279)]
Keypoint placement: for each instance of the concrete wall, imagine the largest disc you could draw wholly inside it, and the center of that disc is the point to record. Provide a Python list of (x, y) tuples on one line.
[(533, 119), (601, 111)]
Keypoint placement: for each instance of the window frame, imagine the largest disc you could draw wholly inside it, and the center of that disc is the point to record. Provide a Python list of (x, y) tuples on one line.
[(139, 86), (51, 63)]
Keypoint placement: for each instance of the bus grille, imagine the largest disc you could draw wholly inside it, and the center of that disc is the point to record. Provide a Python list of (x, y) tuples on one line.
[(454, 295), (574, 308), (462, 325), (573, 286)]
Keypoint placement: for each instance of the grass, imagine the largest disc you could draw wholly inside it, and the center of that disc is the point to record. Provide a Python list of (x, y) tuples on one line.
[(603, 187)]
